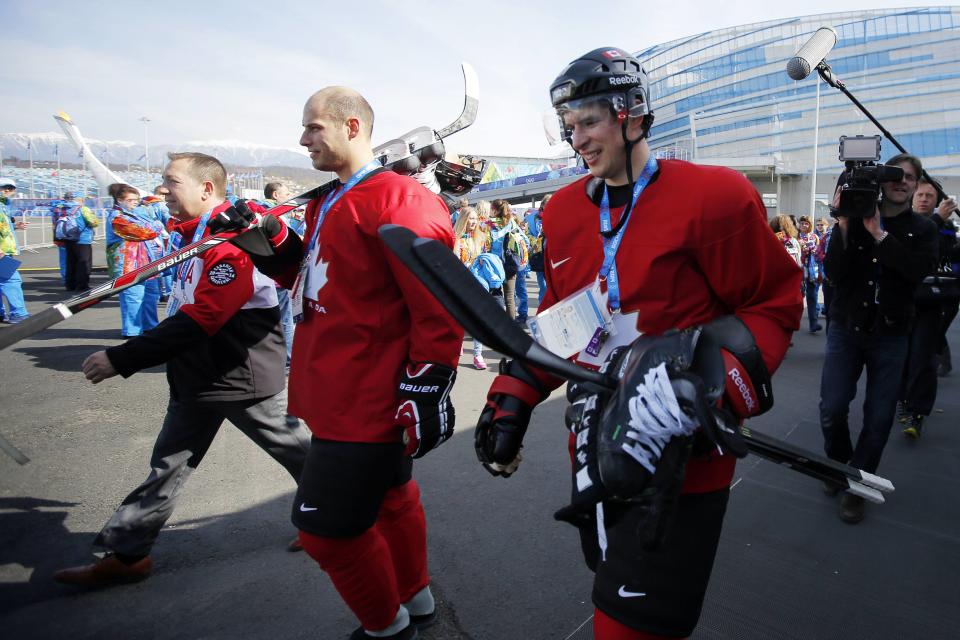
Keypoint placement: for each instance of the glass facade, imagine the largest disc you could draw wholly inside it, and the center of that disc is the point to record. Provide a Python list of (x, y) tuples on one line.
[(725, 94)]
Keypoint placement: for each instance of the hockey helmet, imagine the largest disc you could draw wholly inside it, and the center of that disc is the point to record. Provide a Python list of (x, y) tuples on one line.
[(609, 75)]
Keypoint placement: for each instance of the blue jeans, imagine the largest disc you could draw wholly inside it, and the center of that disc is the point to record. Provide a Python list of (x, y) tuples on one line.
[(542, 287), (11, 290), (813, 307), (138, 308), (848, 352), (286, 320), (62, 252), (521, 293)]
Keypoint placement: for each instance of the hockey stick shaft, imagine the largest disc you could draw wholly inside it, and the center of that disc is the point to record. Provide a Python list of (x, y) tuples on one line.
[(65, 309), (466, 300)]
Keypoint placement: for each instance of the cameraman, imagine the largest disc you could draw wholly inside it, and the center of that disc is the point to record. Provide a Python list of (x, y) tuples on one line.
[(936, 307), (875, 263)]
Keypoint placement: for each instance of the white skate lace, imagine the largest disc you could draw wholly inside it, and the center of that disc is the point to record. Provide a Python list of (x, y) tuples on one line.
[(655, 417)]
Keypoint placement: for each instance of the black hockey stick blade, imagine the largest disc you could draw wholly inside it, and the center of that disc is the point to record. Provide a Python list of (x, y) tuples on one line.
[(471, 103), (466, 300), (481, 317), (34, 324)]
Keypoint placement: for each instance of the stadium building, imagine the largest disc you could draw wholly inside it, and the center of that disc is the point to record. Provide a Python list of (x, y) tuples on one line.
[(724, 98)]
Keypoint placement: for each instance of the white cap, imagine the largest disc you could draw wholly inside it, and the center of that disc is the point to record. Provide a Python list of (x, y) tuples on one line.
[(8, 181)]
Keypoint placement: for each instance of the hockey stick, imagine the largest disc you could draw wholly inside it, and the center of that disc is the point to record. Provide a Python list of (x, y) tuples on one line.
[(446, 278), (63, 310)]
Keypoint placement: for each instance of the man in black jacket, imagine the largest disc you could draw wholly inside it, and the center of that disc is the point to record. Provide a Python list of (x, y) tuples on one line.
[(936, 307), (875, 265), (224, 353)]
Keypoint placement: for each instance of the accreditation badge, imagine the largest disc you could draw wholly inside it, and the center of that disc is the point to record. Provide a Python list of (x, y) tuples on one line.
[(621, 331), (570, 326)]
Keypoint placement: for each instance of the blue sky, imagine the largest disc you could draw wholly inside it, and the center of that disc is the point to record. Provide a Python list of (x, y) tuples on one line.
[(213, 70)]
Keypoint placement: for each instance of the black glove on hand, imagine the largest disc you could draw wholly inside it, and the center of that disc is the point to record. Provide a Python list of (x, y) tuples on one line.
[(425, 412), (239, 217), (503, 422), (235, 218)]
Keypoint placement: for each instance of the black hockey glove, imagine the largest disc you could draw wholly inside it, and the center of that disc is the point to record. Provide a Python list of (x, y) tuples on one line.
[(425, 412), (632, 445), (240, 217), (236, 218), (504, 420)]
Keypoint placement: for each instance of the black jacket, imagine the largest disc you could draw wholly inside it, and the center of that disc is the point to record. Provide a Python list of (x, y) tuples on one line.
[(875, 283)]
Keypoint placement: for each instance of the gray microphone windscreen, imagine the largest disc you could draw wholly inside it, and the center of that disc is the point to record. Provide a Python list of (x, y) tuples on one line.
[(812, 53)]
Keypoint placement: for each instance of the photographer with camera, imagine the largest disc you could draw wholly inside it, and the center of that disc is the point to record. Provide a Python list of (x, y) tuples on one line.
[(937, 299), (877, 256)]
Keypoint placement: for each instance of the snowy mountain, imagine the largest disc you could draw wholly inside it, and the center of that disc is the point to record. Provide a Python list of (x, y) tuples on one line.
[(120, 152)]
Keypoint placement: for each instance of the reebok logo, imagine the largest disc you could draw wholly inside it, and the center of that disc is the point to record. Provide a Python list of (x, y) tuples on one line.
[(743, 389), (615, 80), (305, 508), (623, 593), (559, 262)]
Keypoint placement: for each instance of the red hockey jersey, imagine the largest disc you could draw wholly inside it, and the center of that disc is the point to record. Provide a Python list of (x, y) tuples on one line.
[(697, 246), (365, 315)]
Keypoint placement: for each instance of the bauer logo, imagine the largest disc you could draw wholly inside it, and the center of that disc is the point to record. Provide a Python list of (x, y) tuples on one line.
[(419, 388), (221, 274)]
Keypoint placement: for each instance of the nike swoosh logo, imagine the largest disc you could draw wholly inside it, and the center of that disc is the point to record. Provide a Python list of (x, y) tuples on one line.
[(623, 593), (304, 507), (557, 264)]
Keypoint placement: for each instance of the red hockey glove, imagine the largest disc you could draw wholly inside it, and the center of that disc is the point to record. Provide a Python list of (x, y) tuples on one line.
[(425, 412), (503, 422)]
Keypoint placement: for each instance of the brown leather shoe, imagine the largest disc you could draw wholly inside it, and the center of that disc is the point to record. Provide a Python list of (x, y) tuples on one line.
[(295, 545), (852, 508), (105, 572)]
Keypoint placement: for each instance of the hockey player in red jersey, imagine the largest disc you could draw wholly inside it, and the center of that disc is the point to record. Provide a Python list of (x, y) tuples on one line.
[(667, 245), (224, 353), (372, 368)]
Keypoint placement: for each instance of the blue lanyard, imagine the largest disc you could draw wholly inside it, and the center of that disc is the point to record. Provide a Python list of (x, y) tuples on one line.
[(611, 245), (197, 235), (334, 197)]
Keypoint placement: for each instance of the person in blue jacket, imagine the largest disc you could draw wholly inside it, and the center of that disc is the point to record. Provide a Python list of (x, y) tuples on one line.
[(80, 251)]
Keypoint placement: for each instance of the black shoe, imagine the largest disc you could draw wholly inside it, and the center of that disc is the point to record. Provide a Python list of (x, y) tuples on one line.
[(913, 426), (407, 633), (852, 508), (817, 328), (425, 620)]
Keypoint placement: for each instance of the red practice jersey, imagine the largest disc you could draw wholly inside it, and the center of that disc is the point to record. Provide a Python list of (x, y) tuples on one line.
[(697, 246), (365, 315)]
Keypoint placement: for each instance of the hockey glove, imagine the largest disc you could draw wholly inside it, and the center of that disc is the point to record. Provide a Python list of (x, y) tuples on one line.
[(240, 217), (504, 420), (425, 412), (633, 445)]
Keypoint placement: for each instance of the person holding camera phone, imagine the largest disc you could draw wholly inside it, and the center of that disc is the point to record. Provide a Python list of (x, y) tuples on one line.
[(936, 301), (875, 262)]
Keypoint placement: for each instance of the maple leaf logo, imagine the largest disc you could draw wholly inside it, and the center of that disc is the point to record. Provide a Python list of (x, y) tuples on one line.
[(316, 280)]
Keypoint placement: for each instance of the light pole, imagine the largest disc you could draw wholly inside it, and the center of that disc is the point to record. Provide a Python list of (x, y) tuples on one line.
[(146, 146), (816, 142)]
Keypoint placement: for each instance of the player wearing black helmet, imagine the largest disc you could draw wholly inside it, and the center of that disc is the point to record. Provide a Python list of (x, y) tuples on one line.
[(651, 245)]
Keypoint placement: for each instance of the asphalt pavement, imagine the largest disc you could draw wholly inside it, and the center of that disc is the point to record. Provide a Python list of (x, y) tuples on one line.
[(502, 567)]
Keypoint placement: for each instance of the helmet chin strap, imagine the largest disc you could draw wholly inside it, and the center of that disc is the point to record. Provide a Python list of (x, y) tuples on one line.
[(628, 145)]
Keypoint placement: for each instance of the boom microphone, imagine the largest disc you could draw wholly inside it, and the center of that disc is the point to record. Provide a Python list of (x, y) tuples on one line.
[(812, 53)]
